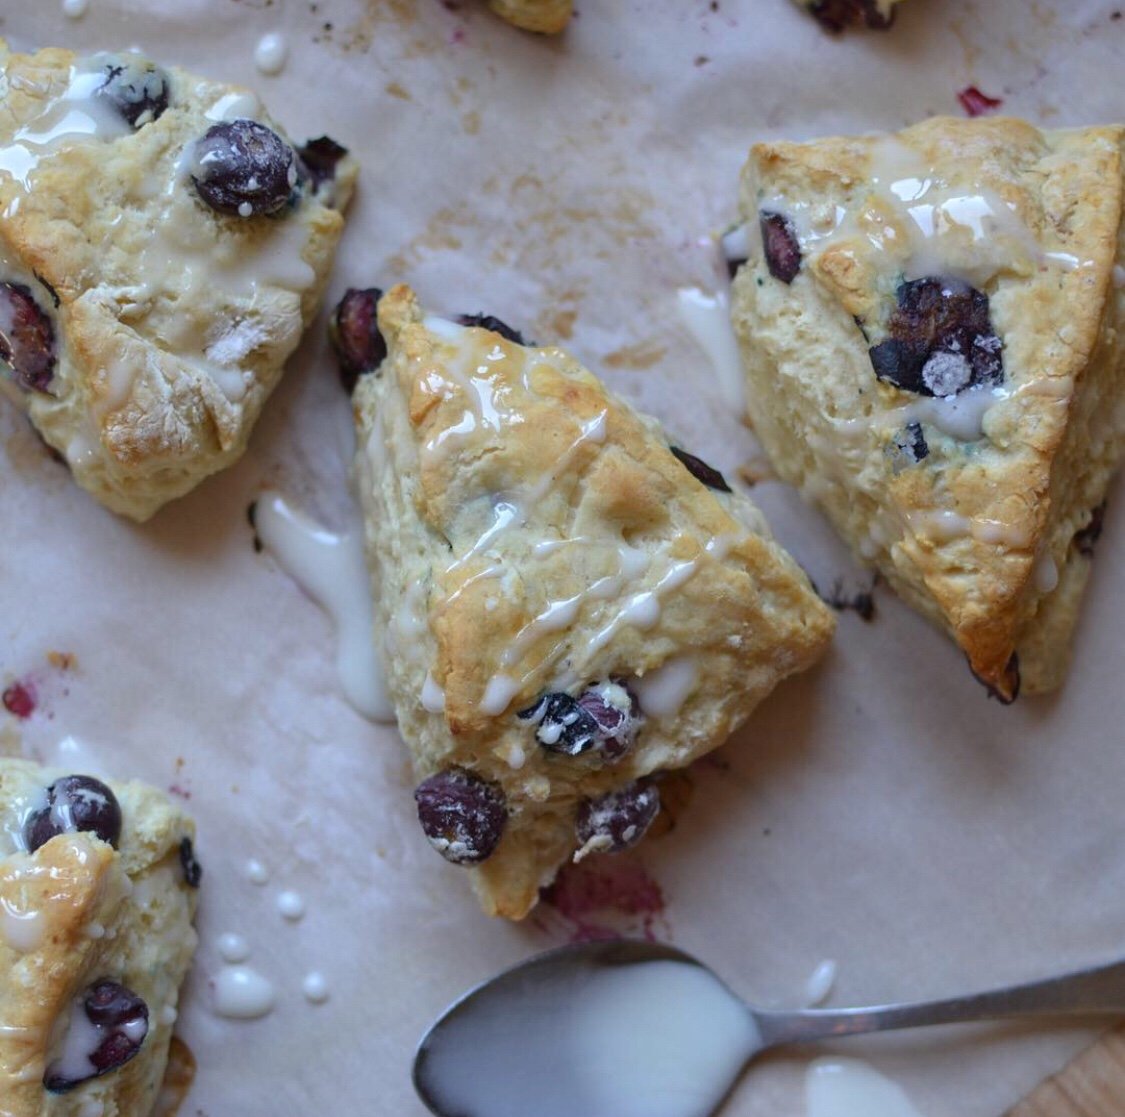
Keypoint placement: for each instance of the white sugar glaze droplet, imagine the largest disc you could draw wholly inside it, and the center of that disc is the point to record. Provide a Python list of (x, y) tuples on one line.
[(330, 568), (291, 905), (819, 985), (315, 988), (850, 1088), (257, 873), (233, 948), (271, 53), (75, 9), (242, 993)]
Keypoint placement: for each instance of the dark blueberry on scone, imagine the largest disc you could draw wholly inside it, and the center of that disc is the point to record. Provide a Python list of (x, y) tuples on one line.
[(193, 871), (242, 168), (617, 821), (137, 89), (113, 1031), (701, 471), (27, 338), (835, 15), (1087, 537), (489, 322), (75, 803), (462, 815), (320, 158), (782, 248), (354, 332), (603, 718), (941, 341)]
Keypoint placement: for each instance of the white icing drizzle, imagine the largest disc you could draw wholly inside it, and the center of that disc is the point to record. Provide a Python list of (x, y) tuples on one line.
[(819, 986), (241, 105), (1046, 572), (241, 993), (849, 1088), (707, 318), (81, 1040), (271, 53), (21, 930), (663, 692), (233, 947), (432, 697), (75, 9), (330, 568), (77, 115)]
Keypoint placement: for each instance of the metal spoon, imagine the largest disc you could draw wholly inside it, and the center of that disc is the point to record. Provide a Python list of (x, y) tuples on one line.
[(533, 1040)]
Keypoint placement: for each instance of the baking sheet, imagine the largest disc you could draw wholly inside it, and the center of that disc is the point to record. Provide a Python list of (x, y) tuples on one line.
[(879, 811)]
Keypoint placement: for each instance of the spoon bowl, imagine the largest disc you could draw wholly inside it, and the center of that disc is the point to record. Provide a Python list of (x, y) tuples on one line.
[(639, 1029)]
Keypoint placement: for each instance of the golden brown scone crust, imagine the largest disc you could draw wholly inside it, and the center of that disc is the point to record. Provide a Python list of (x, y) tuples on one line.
[(173, 322), (504, 483), (980, 535), (548, 17), (98, 913)]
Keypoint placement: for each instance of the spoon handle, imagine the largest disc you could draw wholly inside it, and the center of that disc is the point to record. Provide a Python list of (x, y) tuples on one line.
[(1099, 990)]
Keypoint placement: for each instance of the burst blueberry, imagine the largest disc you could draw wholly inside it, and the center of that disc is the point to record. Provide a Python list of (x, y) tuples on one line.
[(618, 821), (27, 338), (137, 89), (75, 803), (462, 815)]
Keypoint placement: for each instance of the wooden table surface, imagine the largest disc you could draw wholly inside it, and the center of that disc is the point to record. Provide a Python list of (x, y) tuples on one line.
[(1092, 1084)]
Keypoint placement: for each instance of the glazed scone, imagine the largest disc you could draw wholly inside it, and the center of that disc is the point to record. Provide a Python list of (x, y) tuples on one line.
[(569, 607), (835, 15), (98, 887), (162, 248), (548, 17), (931, 328)]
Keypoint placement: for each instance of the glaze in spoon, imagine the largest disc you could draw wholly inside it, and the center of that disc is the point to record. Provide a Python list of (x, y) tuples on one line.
[(636, 1029)]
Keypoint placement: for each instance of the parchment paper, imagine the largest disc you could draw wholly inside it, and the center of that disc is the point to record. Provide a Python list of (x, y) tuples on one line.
[(879, 811)]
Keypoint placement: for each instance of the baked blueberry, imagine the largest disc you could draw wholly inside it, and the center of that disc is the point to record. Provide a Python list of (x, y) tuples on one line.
[(618, 820), (319, 158), (940, 339), (244, 169), (1087, 537), (119, 1020), (488, 322), (137, 89), (27, 338), (462, 815), (701, 471), (75, 803), (835, 15), (193, 871), (604, 717), (354, 332), (782, 249), (908, 447)]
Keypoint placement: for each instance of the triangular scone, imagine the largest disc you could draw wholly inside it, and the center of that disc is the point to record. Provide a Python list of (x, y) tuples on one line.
[(932, 330), (97, 896), (566, 608), (548, 17), (162, 247)]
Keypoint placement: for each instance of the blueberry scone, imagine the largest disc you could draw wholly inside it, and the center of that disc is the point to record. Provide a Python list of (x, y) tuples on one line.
[(835, 15), (931, 325), (548, 17), (162, 247), (570, 605), (98, 887)]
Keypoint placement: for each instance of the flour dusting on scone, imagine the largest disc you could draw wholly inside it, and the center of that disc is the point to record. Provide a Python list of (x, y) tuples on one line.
[(932, 330), (162, 247), (547, 17), (98, 888), (569, 608)]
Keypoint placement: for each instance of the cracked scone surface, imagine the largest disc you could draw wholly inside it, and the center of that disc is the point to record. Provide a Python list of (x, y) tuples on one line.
[(532, 539), (930, 324), (171, 321), (548, 17), (75, 912)]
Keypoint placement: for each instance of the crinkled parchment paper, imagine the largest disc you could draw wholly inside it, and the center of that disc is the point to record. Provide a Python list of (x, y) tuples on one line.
[(879, 811)]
